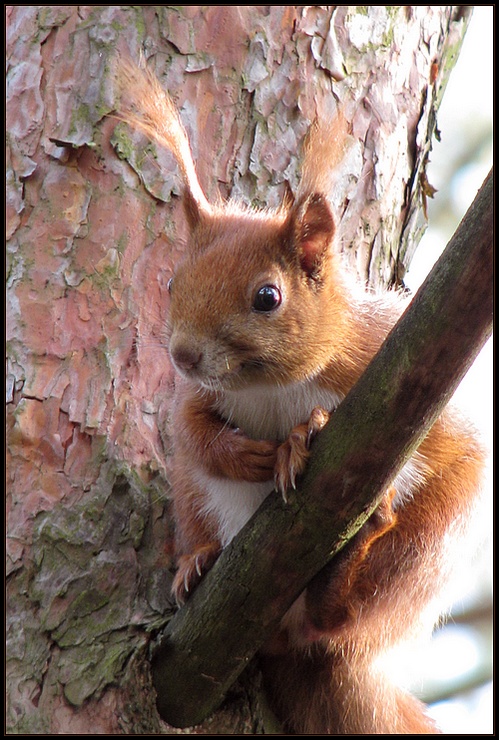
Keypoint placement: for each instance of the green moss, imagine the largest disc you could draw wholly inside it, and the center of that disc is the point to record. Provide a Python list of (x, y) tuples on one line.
[(449, 58), (140, 24), (388, 35), (122, 143), (85, 579), (122, 243), (92, 667), (81, 115)]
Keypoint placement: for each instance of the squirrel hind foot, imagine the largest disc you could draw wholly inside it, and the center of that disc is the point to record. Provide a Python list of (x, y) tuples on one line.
[(191, 569)]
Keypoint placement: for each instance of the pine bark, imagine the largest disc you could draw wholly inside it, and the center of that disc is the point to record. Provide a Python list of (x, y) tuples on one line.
[(94, 227)]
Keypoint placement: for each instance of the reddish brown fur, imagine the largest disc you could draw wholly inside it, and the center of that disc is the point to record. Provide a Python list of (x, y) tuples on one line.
[(320, 668)]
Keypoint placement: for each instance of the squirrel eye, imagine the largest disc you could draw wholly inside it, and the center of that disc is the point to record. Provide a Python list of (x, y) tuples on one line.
[(169, 285), (268, 298)]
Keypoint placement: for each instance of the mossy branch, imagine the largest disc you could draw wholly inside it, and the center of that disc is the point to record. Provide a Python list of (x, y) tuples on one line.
[(371, 435)]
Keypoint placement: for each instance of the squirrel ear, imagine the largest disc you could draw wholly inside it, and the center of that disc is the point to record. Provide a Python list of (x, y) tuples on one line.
[(313, 232), (195, 211)]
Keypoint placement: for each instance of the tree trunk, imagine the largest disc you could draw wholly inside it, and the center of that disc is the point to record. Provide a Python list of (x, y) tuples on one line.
[(94, 228)]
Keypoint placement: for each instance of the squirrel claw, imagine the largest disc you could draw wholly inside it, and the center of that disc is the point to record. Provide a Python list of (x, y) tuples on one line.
[(293, 454), (283, 483), (191, 569), (318, 420)]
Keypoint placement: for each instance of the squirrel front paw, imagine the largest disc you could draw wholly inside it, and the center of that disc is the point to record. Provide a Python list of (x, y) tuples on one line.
[(191, 569), (293, 454)]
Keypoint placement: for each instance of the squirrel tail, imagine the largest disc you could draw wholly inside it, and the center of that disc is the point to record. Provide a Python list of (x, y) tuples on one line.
[(325, 693)]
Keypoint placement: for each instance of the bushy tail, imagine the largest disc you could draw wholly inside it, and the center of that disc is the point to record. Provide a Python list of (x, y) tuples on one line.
[(322, 693)]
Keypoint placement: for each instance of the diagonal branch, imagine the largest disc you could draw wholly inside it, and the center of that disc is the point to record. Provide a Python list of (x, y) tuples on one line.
[(370, 437)]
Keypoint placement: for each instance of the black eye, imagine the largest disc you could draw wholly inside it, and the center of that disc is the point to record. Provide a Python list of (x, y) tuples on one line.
[(169, 285), (268, 298)]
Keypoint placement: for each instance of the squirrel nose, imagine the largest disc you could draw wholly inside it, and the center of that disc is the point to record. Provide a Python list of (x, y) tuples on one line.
[(186, 358)]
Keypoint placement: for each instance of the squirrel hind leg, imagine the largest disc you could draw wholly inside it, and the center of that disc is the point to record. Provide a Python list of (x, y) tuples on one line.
[(322, 692)]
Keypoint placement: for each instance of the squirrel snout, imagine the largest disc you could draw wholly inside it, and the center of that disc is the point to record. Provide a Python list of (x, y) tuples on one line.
[(200, 361), (186, 358)]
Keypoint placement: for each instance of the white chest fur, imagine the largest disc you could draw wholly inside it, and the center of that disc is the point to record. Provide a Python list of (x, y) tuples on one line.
[(271, 412), (261, 413)]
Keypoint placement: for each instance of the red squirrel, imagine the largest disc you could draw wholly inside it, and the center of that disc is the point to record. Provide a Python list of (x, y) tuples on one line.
[(267, 336)]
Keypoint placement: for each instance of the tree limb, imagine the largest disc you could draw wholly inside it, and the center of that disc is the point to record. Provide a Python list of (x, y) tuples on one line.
[(370, 437)]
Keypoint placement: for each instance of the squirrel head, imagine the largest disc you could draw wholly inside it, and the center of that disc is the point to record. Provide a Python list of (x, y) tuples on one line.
[(252, 301), (257, 298)]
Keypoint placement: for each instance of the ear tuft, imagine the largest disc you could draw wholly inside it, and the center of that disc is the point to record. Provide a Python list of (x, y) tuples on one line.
[(149, 108), (195, 211), (314, 230)]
